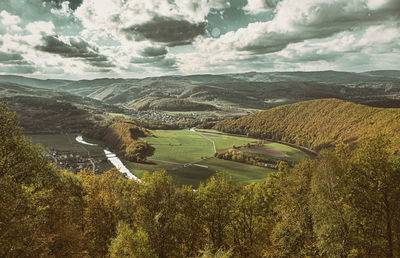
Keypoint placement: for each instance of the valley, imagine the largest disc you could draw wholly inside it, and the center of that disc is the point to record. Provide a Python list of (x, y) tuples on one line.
[(54, 111)]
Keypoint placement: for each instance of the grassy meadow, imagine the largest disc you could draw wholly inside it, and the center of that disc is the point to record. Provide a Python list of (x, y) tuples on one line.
[(179, 152)]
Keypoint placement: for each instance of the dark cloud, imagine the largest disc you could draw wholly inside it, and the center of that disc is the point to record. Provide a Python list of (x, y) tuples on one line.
[(12, 58), (73, 4), (167, 63), (18, 69), (166, 30), (154, 51), (270, 3), (75, 48)]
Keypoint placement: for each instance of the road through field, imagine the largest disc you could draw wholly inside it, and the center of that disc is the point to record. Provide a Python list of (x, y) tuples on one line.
[(193, 129)]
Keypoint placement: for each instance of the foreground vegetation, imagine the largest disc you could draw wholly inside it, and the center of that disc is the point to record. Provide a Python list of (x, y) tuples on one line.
[(319, 124), (343, 204)]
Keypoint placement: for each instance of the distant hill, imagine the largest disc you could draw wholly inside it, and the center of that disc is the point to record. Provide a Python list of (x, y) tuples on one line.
[(49, 111), (170, 104), (246, 90), (318, 124), (39, 115)]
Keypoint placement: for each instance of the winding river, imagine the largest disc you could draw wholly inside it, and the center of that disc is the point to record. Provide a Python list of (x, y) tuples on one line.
[(112, 158)]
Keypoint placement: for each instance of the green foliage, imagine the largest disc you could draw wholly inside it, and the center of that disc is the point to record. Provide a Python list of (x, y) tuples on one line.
[(220, 253), (346, 203), (217, 199), (40, 207), (130, 244), (239, 156)]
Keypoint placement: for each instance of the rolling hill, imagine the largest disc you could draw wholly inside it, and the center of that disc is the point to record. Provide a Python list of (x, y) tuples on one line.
[(318, 124), (247, 90), (49, 111)]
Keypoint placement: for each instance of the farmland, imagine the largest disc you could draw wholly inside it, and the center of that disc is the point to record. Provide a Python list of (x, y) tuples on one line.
[(188, 156)]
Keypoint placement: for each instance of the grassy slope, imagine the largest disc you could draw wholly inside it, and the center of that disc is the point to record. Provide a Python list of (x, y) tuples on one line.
[(319, 123)]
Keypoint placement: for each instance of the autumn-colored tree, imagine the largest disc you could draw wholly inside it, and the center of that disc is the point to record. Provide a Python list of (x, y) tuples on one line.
[(130, 244), (40, 206), (104, 201), (331, 216), (217, 199), (293, 233), (252, 220), (373, 183), (156, 213)]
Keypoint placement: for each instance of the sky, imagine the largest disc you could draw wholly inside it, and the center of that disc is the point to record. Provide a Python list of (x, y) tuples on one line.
[(85, 39)]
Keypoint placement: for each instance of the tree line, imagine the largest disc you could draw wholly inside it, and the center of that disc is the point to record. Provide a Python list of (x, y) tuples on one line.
[(345, 203), (238, 156)]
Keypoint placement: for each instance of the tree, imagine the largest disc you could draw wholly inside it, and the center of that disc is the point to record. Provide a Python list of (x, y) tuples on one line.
[(374, 196), (252, 220), (293, 233), (130, 244), (103, 194), (40, 206), (331, 215), (217, 199), (156, 213)]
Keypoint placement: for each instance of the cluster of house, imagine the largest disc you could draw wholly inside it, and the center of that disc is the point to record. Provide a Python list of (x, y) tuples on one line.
[(163, 116), (74, 162)]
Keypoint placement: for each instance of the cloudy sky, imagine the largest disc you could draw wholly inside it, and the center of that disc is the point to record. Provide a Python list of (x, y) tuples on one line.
[(138, 38)]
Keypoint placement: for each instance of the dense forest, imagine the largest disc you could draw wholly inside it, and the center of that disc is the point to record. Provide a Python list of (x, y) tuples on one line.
[(319, 124), (345, 203), (122, 135)]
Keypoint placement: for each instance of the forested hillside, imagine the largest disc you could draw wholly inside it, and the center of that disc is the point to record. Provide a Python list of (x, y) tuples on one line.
[(317, 124), (122, 135), (343, 204)]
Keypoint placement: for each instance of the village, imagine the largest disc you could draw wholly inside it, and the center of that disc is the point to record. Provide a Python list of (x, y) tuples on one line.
[(164, 116), (74, 162)]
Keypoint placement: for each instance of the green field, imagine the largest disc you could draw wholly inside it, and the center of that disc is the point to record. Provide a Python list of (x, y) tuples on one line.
[(179, 146), (239, 172), (175, 149), (226, 141)]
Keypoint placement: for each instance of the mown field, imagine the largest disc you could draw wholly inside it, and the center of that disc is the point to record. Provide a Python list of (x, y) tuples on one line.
[(239, 172), (177, 149), (179, 146), (225, 141)]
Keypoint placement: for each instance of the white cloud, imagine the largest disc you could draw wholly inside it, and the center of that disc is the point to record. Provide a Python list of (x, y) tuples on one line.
[(9, 23), (63, 11), (258, 6), (8, 19), (40, 27)]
